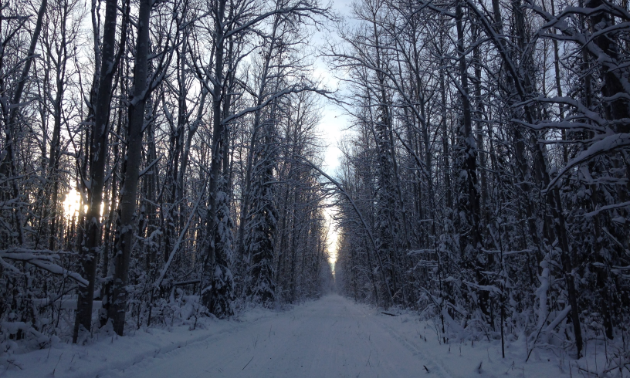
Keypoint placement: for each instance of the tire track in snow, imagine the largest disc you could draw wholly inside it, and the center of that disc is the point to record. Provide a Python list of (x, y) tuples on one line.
[(433, 366)]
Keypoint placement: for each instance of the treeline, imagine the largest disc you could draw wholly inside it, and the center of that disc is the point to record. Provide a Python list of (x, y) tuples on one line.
[(486, 182), (179, 128)]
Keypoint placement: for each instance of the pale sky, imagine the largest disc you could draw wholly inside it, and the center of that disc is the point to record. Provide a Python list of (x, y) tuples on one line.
[(334, 121)]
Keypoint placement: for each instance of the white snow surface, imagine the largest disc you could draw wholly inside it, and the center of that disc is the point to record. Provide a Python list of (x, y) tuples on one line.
[(329, 337)]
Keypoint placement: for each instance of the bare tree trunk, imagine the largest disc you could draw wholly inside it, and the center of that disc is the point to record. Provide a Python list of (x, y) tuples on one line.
[(100, 130), (212, 296), (55, 147), (131, 170)]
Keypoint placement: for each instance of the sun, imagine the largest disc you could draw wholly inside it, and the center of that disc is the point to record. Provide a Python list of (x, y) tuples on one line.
[(71, 203)]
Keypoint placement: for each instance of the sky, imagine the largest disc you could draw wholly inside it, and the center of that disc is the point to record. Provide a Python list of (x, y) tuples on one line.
[(334, 122)]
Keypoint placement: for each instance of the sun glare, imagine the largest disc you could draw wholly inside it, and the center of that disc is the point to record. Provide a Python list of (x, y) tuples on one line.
[(71, 203), (332, 238)]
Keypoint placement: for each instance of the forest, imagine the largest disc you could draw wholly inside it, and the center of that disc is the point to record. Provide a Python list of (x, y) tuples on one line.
[(162, 160), (487, 182), (177, 126)]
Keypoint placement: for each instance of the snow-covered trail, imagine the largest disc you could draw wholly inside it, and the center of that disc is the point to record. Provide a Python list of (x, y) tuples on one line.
[(327, 338), (332, 337)]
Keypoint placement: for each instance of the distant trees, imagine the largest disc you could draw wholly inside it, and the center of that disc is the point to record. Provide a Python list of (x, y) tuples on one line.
[(502, 130), (176, 131)]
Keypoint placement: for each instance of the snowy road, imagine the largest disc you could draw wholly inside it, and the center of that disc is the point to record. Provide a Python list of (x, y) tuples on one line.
[(327, 338), (332, 337)]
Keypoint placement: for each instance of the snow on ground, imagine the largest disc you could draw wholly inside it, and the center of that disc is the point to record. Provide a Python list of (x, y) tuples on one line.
[(330, 337)]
